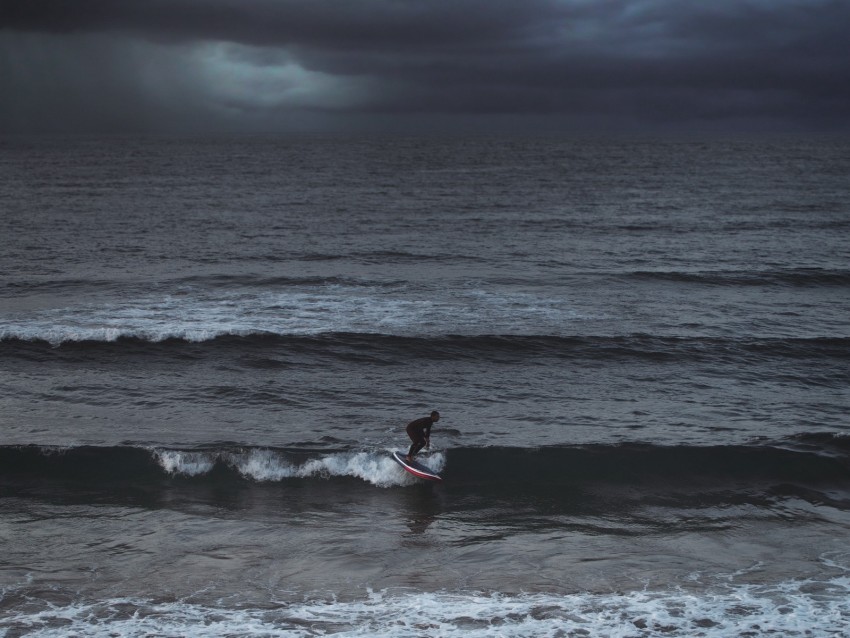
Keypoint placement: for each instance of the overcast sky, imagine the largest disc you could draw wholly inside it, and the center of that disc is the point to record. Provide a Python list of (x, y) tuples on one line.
[(420, 65)]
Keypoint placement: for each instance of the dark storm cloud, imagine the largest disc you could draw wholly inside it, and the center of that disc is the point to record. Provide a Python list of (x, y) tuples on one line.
[(631, 63), (335, 24)]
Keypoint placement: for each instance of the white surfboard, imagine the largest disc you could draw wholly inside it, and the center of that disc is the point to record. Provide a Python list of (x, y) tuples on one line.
[(417, 469)]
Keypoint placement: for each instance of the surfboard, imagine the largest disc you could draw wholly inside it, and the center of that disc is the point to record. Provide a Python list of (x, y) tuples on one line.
[(417, 469)]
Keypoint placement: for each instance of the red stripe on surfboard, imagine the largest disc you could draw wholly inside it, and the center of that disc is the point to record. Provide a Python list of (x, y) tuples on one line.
[(416, 472)]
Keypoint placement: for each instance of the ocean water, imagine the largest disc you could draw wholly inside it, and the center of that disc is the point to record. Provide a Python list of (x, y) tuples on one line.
[(640, 349)]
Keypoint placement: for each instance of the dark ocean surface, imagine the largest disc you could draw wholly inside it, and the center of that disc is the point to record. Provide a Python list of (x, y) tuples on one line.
[(640, 349)]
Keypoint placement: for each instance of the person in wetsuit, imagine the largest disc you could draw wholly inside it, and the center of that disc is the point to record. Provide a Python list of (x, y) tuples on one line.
[(419, 432)]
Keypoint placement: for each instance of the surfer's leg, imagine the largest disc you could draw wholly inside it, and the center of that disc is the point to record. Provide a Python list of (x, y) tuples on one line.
[(418, 444)]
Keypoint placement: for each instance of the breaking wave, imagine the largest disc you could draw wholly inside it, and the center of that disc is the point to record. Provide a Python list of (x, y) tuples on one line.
[(810, 459), (144, 465)]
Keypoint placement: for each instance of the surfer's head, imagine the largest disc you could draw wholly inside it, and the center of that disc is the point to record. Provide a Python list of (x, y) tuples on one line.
[(435, 416)]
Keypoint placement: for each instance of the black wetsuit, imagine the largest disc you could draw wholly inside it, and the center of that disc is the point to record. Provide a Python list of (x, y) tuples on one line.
[(419, 432)]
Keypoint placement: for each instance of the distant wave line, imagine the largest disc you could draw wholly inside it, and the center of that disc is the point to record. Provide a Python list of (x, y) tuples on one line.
[(211, 281), (486, 346), (798, 277)]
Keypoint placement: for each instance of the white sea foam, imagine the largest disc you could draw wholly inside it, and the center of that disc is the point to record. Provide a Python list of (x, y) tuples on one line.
[(788, 609), (270, 465), (206, 314), (183, 462)]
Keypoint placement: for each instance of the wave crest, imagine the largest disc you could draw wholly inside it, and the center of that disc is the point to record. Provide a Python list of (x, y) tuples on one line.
[(807, 459), (274, 465)]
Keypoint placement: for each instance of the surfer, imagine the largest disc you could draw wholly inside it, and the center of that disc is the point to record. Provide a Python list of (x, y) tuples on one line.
[(419, 432)]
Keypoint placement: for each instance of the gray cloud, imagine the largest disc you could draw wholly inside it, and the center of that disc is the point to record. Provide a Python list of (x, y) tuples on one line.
[(289, 64)]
